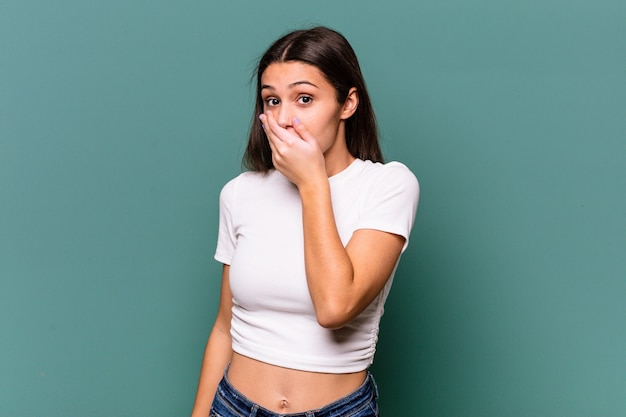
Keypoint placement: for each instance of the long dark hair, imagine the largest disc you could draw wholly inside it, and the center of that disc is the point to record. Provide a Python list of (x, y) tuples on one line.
[(331, 53)]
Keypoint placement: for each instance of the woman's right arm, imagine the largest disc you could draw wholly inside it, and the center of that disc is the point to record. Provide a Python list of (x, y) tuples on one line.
[(218, 352)]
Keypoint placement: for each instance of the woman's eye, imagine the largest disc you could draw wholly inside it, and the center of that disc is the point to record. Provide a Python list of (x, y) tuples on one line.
[(305, 99), (272, 101)]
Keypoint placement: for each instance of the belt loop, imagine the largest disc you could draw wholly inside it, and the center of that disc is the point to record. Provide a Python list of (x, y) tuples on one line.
[(255, 407), (373, 384), (310, 414)]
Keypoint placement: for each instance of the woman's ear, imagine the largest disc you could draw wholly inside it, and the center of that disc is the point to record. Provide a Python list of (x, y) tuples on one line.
[(350, 104)]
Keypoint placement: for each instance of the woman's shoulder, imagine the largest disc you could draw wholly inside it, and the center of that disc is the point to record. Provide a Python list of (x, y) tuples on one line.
[(250, 178), (251, 182), (392, 171)]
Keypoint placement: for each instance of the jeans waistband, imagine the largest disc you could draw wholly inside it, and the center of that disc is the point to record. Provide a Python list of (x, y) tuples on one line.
[(361, 398)]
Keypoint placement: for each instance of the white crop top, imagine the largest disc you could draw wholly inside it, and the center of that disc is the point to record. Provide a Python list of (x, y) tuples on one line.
[(261, 238)]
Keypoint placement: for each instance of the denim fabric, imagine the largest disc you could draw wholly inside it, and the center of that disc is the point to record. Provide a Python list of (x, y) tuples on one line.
[(229, 402)]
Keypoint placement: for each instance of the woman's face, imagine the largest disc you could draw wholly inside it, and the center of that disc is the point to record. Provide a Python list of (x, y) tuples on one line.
[(297, 90)]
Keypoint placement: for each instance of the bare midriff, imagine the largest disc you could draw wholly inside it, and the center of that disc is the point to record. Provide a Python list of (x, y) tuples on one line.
[(284, 390)]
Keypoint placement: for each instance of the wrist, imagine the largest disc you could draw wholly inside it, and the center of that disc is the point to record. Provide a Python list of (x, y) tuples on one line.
[(314, 187)]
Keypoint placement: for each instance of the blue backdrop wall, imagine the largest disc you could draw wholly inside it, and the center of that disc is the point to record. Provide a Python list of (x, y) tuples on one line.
[(121, 120)]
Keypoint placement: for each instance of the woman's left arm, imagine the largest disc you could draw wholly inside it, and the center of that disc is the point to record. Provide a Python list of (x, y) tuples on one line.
[(342, 281)]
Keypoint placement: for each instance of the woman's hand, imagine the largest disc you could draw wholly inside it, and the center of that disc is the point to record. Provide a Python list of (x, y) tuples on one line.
[(295, 153)]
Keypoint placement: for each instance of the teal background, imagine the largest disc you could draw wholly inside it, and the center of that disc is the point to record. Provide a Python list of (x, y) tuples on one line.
[(121, 120)]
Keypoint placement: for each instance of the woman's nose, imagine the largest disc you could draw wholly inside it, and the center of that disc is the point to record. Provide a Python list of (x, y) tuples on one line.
[(284, 116)]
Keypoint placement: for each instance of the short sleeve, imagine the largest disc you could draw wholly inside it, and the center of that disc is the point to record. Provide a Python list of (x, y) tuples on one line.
[(226, 237), (392, 201)]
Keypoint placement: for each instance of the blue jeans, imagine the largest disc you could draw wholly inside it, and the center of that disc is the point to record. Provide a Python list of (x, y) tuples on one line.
[(229, 402)]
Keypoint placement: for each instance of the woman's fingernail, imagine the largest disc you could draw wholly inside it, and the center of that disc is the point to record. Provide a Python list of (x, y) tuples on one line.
[(296, 121), (260, 117)]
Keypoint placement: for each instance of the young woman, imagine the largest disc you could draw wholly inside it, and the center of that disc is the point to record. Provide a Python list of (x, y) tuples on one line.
[(310, 238)]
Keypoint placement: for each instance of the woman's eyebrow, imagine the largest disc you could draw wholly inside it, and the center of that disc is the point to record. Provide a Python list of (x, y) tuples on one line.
[(292, 85)]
